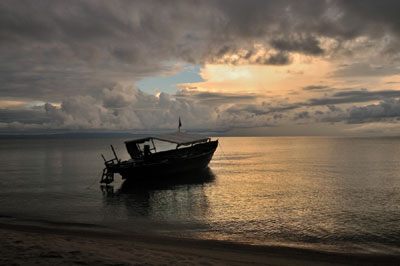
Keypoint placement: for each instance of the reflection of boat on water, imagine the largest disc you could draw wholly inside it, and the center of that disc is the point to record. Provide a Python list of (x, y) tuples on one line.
[(179, 198), (190, 153), (200, 177)]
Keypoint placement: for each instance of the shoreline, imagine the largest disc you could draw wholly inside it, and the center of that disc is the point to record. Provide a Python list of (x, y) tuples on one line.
[(23, 244)]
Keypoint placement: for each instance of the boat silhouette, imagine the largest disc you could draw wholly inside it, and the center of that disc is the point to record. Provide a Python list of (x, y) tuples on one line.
[(148, 164)]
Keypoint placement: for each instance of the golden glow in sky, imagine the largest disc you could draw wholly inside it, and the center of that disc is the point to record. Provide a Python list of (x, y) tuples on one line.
[(263, 79)]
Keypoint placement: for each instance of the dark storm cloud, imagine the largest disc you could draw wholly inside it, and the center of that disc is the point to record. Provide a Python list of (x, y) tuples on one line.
[(102, 42), (275, 59), (378, 16), (308, 46), (133, 30)]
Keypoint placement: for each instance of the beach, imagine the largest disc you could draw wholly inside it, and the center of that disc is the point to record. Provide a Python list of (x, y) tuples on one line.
[(24, 244)]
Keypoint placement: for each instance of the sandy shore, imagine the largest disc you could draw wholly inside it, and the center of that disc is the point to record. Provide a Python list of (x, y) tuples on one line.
[(62, 245)]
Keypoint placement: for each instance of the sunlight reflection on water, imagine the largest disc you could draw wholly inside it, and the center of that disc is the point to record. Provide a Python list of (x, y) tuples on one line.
[(336, 193), (333, 191)]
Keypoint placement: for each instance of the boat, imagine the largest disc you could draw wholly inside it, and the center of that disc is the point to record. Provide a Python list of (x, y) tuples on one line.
[(188, 152)]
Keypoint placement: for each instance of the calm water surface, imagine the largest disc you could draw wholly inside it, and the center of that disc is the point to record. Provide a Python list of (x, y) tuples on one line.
[(323, 193)]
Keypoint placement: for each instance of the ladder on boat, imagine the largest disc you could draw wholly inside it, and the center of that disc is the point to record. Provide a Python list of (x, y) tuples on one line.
[(107, 176)]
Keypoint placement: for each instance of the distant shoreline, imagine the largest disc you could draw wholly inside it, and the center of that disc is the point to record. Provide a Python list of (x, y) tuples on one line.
[(61, 244), (70, 136), (76, 135), (97, 135)]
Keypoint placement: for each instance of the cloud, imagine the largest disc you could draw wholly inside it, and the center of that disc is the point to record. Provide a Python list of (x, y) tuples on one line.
[(52, 49), (215, 97), (261, 109), (316, 88), (365, 69), (302, 115), (342, 97), (372, 17), (125, 108), (193, 31), (334, 108), (353, 97), (73, 53), (308, 45), (24, 116), (276, 59), (249, 55), (387, 109)]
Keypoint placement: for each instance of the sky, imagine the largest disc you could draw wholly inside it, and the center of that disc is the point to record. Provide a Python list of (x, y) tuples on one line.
[(226, 67)]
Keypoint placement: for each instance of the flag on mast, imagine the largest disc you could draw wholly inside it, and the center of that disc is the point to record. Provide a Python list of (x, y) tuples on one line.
[(180, 124)]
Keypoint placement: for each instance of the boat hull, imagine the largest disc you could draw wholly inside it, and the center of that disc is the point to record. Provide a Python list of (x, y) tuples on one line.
[(166, 164)]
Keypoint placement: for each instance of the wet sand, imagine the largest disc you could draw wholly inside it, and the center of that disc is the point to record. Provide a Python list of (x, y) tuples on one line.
[(24, 244)]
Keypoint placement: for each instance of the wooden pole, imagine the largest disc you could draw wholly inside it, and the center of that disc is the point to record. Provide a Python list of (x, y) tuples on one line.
[(154, 146), (116, 157)]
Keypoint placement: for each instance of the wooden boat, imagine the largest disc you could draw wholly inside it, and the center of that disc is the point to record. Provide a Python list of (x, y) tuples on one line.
[(190, 152)]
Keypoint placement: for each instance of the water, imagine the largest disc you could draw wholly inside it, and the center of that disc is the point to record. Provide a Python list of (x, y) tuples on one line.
[(322, 193)]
